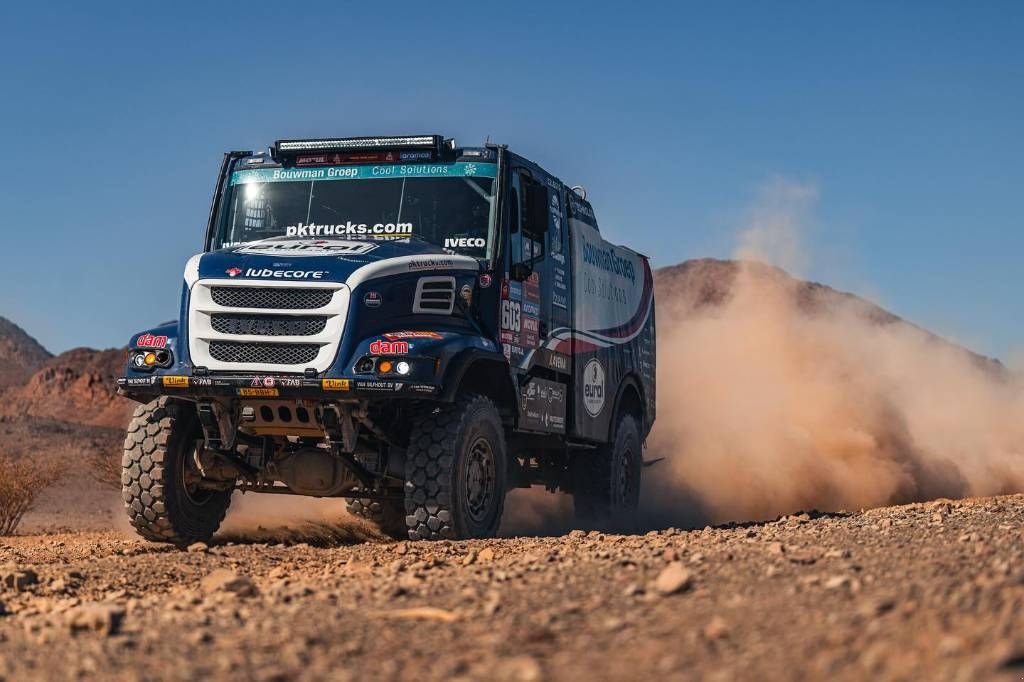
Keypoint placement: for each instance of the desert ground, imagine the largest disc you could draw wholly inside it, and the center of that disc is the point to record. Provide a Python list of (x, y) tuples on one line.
[(923, 591)]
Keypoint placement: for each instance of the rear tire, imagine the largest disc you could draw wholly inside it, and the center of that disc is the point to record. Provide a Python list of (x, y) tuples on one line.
[(387, 515), (606, 483), (159, 475), (456, 471)]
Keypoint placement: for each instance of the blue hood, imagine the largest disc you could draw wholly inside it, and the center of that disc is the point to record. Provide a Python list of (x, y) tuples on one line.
[(298, 259)]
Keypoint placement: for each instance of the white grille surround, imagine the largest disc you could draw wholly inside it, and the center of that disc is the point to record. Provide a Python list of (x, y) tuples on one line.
[(201, 332)]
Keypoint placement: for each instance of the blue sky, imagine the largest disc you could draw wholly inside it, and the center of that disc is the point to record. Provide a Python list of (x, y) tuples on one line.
[(906, 119)]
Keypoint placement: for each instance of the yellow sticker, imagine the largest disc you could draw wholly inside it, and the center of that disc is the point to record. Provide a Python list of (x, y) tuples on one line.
[(171, 381), (262, 392), (336, 384)]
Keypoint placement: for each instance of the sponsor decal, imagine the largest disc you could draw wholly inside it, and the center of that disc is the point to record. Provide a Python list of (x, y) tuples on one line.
[(558, 361), (278, 246), (348, 229), (372, 299), (415, 156), (422, 388), (233, 272), (364, 172), (606, 259), (336, 384), (431, 263), (258, 392), (379, 386), (171, 381), (531, 308), (397, 336), (485, 280), (466, 293), (270, 382), (144, 381), (593, 387), (150, 341), (381, 347), (464, 242), (283, 274), (202, 381), (531, 288)]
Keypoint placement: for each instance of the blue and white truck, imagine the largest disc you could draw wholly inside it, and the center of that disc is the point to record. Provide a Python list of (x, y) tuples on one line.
[(413, 325)]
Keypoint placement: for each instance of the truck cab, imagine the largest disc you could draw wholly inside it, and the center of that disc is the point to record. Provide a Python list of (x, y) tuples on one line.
[(410, 324)]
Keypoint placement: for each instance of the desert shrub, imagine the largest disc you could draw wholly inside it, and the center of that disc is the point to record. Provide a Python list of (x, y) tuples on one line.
[(21, 482), (103, 463)]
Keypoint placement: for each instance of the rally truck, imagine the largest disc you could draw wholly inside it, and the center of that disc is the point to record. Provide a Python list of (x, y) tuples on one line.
[(412, 325)]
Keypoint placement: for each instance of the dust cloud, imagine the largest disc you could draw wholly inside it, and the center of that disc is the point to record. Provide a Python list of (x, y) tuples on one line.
[(775, 395), (291, 519)]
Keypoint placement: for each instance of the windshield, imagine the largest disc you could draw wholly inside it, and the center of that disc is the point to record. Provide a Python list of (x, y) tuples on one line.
[(448, 204)]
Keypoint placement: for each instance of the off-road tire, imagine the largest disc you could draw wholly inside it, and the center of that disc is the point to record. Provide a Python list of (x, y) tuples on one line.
[(606, 483), (387, 515), (160, 444), (456, 471)]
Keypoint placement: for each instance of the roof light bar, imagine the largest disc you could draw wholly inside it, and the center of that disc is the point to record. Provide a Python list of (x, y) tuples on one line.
[(283, 148)]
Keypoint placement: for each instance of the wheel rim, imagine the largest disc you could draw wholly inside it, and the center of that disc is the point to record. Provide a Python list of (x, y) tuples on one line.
[(623, 478), (480, 479), (190, 477)]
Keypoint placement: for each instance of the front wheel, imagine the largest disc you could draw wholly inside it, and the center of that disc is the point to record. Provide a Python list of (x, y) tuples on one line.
[(456, 471), (606, 483), (160, 481)]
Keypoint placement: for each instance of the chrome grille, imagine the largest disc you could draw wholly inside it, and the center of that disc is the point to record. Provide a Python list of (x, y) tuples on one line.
[(268, 325), (271, 297), (264, 353)]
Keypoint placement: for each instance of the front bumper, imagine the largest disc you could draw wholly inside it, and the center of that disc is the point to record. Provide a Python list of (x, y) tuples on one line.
[(264, 386)]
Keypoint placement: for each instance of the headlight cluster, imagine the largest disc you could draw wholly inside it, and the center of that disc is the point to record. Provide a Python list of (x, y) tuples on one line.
[(142, 360), (385, 366)]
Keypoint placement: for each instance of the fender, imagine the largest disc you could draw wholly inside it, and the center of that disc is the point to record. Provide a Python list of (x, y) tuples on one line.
[(460, 364), (630, 380)]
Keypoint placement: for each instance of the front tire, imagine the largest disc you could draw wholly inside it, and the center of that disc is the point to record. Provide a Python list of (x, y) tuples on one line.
[(159, 476), (456, 471), (606, 483)]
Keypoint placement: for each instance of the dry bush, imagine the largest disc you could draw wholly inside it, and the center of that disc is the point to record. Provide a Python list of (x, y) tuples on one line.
[(103, 462), (21, 482)]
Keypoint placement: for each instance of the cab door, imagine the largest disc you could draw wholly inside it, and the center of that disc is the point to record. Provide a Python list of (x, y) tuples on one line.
[(529, 314)]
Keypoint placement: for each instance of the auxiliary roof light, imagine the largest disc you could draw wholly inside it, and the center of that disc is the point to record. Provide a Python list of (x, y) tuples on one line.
[(284, 148)]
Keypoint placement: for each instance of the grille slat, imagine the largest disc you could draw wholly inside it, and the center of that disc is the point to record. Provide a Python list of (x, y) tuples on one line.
[(268, 325), (264, 353), (271, 297)]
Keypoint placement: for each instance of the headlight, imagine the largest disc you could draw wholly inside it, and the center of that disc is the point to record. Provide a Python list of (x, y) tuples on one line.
[(403, 367), (143, 360)]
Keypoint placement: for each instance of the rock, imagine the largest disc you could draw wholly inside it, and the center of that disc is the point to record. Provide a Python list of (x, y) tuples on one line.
[(100, 618), (837, 582), (198, 548), (716, 629), (18, 579), (484, 555), (673, 579), (776, 548), (422, 613), (225, 581), (518, 669), (469, 558)]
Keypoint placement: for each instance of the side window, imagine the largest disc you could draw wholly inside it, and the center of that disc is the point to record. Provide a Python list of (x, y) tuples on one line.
[(555, 241)]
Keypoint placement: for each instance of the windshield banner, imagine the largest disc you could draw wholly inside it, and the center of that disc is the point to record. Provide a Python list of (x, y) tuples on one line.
[(461, 169)]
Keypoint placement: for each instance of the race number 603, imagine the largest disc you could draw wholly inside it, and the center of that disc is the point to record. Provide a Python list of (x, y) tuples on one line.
[(510, 314)]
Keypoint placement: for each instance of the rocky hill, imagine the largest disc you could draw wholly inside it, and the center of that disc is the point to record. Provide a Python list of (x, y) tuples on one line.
[(20, 354)]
